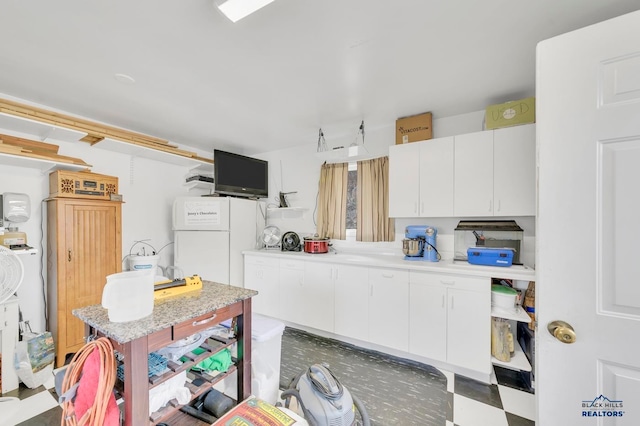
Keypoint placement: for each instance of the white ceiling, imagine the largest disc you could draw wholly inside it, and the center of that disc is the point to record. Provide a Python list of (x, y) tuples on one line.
[(272, 79)]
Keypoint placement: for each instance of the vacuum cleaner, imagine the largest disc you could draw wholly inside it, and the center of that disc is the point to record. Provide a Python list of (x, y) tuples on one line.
[(324, 401)]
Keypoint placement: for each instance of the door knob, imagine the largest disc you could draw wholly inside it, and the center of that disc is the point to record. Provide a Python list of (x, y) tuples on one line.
[(562, 331)]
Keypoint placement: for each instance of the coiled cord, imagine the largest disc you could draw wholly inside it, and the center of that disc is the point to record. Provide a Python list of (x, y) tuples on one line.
[(97, 413)]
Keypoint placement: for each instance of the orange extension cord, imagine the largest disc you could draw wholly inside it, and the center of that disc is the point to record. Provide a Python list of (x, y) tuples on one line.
[(96, 414)]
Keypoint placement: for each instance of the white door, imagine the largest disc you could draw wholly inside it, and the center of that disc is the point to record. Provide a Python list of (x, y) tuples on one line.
[(473, 177), (351, 316), (317, 298), (588, 225), (436, 178), (427, 318), (389, 308), (404, 178)]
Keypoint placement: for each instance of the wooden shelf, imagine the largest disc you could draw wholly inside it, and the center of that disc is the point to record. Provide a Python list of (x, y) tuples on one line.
[(150, 153), (345, 154), (42, 131), (287, 212), (38, 163)]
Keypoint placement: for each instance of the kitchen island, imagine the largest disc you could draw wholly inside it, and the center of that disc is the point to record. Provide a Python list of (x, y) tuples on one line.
[(172, 320)]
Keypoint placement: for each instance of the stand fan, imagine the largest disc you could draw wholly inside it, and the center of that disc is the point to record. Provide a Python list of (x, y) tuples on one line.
[(11, 273), (271, 237)]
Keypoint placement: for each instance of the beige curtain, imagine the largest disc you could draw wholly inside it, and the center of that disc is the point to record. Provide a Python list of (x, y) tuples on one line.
[(332, 201), (373, 201)]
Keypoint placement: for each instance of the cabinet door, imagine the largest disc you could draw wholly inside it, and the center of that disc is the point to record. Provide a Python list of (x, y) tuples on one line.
[(92, 251), (404, 178), (318, 296), (436, 178), (428, 321), (291, 291), (389, 308), (469, 328), (266, 280), (514, 171), (351, 287), (473, 182)]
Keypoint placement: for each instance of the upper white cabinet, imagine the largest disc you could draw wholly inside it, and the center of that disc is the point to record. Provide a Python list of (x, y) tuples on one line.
[(421, 179), (495, 173), (473, 189)]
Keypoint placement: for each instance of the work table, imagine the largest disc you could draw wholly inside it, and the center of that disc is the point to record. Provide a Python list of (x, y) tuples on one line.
[(172, 320), (395, 261), (166, 313)]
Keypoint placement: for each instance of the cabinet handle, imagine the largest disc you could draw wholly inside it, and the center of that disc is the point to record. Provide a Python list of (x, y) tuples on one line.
[(448, 282), (204, 321), (387, 275), (69, 256)]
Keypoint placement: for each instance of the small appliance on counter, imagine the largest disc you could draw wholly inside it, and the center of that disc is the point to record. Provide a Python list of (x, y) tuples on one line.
[(316, 244), (503, 234), (420, 243), (291, 242), (14, 208)]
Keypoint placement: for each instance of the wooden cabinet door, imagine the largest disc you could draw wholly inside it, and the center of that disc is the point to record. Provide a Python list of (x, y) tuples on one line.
[(473, 187), (88, 248), (436, 178), (351, 285), (514, 171), (404, 179)]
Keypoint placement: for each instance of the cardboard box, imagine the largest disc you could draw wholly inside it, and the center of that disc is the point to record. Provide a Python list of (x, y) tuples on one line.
[(414, 128), (511, 113)]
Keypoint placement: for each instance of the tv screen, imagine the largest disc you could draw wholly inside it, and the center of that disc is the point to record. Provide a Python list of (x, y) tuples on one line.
[(235, 174)]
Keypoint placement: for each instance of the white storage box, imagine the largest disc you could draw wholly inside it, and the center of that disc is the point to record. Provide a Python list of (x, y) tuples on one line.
[(503, 297)]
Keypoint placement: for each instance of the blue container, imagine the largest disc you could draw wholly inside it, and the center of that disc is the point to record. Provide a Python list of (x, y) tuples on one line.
[(491, 256)]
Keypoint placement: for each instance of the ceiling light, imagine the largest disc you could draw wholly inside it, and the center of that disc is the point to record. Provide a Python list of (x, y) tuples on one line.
[(238, 9)]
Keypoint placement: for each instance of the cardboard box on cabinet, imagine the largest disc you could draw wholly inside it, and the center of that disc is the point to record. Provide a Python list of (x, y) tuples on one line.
[(511, 113), (414, 128)]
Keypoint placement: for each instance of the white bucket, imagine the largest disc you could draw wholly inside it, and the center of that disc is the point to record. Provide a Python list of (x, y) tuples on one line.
[(144, 263), (128, 296)]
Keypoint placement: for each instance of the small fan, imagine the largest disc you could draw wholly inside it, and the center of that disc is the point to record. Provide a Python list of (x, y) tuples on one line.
[(11, 273), (291, 242), (271, 237)]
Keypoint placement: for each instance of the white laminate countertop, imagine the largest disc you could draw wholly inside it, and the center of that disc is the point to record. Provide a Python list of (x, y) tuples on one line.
[(514, 272)]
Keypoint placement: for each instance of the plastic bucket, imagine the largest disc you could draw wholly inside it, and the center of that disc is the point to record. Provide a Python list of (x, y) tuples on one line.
[(144, 263)]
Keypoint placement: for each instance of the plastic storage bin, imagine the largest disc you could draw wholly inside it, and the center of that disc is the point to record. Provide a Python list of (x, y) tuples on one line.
[(266, 347), (490, 256)]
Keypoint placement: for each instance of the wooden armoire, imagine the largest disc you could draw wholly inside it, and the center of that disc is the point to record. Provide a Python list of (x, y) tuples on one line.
[(84, 245)]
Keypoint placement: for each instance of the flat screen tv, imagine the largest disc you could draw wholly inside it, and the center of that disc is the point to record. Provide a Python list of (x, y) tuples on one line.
[(237, 175)]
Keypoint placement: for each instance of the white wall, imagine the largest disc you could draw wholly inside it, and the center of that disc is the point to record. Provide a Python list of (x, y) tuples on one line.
[(148, 188), (298, 169)]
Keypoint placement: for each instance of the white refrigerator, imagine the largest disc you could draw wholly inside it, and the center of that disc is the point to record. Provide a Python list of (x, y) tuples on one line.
[(210, 234)]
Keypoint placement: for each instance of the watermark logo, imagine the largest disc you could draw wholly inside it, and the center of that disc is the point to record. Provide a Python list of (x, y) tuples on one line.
[(602, 406)]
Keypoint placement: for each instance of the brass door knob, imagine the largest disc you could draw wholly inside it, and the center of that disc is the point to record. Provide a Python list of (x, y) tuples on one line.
[(562, 331)]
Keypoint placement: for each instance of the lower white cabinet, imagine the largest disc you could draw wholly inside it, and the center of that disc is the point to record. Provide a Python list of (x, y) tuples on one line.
[(389, 308), (317, 302), (292, 291), (351, 301), (450, 319), (263, 274)]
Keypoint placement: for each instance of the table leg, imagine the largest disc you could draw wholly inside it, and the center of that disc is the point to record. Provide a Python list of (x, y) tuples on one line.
[(244, 351), (136, 382)]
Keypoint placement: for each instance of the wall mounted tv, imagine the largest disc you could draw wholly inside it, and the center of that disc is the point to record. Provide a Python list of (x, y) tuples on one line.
[(237, 175)]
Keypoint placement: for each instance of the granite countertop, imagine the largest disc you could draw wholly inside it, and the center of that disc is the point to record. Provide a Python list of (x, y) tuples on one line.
[(397, 261), (166, 312)]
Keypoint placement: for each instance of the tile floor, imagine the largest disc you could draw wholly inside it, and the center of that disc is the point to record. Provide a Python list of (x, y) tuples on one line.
[(471, 404)]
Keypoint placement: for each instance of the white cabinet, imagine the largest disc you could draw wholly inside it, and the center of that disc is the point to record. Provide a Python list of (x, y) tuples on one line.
[(292, 292), (421, 179), (262, 274), (450, 319), (389, 308), (514, 171), (351, 316), (318, 300), (495, 172)]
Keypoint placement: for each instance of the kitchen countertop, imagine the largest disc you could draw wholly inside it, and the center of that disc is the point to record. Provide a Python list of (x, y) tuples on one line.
[(166, 312), (514, 272)]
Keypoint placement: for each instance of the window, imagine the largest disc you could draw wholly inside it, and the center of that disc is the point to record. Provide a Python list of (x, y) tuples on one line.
[(352, 201)]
